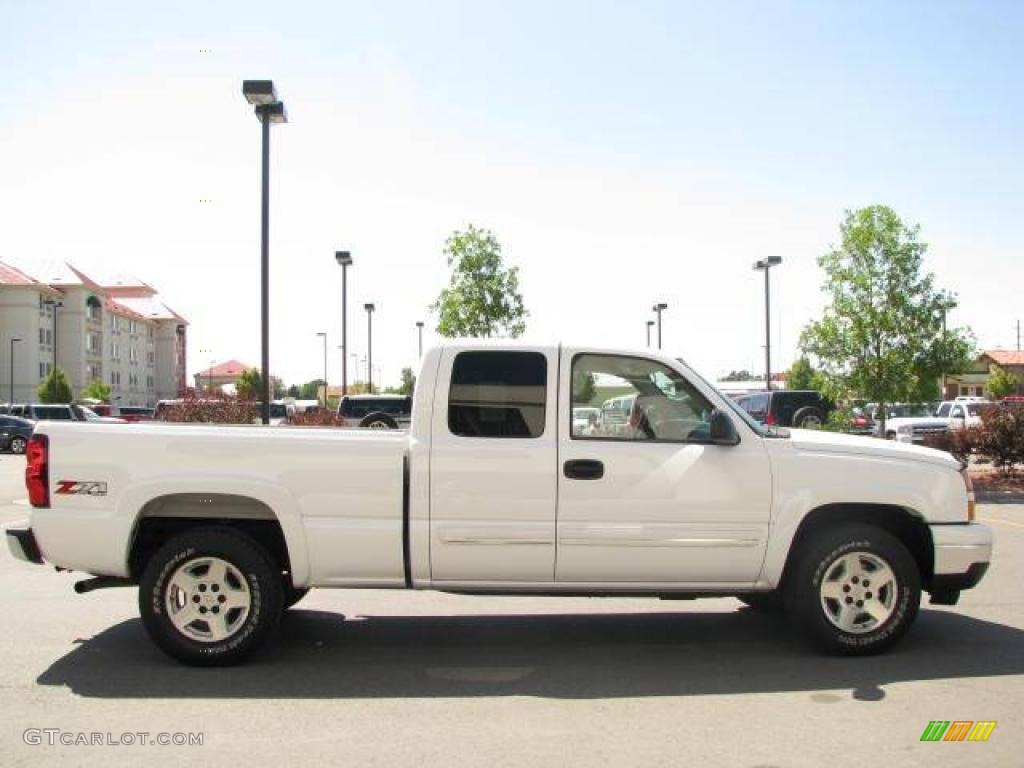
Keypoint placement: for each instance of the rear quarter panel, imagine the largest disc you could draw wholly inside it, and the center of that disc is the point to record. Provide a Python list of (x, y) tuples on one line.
[(336, 493)]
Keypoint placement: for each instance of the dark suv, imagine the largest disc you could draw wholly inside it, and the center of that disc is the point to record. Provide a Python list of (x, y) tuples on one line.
[(801, 408), (376, 411)]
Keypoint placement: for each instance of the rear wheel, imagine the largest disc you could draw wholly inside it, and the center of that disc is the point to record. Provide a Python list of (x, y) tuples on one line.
[(809, 418), (210, 596), (378, 421), (854, 590)]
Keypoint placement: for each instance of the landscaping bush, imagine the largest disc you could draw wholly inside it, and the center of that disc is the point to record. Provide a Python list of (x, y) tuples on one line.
[(317, 417), (961, 443), (1001, 438), (218, 409)]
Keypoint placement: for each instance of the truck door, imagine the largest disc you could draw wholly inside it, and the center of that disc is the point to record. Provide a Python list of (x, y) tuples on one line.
[(651, 501), (493, 466)]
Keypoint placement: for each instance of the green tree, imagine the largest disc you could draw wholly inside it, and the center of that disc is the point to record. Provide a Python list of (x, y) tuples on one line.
[(743, 375), (408, 382), (801, 374), (293, 391), (250, 384), (584, 388), (1001, 382), (97, 390), (882, 336), (54, 388), (482, 297), (311, 390)]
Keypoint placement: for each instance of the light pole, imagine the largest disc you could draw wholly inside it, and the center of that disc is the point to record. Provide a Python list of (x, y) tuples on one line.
[(323, 335), (650, 323), (765, 265), (12, 369), (419, 329), (263, 97), (659, 308), (369, 344), (344, 258)]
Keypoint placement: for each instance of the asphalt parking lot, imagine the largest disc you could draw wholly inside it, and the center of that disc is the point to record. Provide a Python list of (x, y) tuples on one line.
[(379, 678)]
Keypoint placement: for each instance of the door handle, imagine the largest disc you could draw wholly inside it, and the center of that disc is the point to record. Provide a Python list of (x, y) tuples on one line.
[(584, 469)]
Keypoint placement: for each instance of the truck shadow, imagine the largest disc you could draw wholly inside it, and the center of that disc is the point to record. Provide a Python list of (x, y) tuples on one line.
[(580, 656)]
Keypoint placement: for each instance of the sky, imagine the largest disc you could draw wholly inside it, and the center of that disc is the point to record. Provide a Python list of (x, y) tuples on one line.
[(623, 154)]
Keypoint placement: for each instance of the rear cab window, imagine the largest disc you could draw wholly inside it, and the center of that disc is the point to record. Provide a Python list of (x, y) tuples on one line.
[(498, 394)]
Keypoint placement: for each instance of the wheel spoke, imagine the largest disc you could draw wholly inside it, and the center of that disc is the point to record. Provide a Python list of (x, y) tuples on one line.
[(832, 589), (236, 598), (218, 625), (217, 572), (847, 616), (185, 616), (183, 581), (876, 610)]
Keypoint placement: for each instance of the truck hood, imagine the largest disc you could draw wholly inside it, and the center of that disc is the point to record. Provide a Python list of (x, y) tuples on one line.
[(834, 442)]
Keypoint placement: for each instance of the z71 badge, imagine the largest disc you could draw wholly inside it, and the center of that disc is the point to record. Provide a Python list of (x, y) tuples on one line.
[(87, 487)]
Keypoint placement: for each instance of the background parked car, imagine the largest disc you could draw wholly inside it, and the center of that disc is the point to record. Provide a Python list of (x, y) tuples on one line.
[(376, 411), (801, 408), (132, 413), (18, 431)]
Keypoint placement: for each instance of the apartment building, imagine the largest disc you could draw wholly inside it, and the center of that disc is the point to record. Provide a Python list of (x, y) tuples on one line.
[(116, 330)]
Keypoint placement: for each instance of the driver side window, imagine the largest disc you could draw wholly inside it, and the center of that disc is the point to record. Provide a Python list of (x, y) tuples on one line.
[(637, 399)]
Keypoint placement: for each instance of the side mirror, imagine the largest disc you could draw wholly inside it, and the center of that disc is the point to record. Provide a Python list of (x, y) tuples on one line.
[(723, 431)]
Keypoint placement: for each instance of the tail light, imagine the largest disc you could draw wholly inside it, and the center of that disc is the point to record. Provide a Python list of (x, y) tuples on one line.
[(37, 470), (969, 485), (769, 419)]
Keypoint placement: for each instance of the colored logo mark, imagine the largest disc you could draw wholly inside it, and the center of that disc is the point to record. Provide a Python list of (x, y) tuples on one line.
[(958, 730)]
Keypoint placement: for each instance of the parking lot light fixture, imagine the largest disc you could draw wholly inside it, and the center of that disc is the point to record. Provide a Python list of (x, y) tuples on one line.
[(369, 345), (765, 265), (269, 109), (659, 308), (650, 324), (344, 259), (419, 330)]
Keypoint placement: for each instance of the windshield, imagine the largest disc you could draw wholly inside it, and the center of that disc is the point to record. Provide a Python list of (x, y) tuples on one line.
[(746, 417)]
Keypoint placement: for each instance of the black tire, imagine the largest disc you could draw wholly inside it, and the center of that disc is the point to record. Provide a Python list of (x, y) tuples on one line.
[(292, 595), (809, 417), (766, 602), (820, 557), (18, 444), (262, 579), (378, 421)]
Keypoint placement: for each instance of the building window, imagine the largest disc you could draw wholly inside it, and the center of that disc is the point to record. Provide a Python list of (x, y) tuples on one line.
[(115, 323), (115, 351), (131, 354), (132, 327), (42, 336), (92, 343)]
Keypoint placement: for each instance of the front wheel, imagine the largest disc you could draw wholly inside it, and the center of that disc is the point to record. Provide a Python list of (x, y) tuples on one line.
[(854, 591), (210, 596), (18, 444)]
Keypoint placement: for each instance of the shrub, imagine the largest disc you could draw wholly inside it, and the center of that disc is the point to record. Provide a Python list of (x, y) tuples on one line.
[(54, 388), (317, 417), (219, 409), (960, 443), (1001, 438)]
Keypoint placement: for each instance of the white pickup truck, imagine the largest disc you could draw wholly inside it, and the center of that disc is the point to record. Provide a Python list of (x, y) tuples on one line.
[(491, 492)]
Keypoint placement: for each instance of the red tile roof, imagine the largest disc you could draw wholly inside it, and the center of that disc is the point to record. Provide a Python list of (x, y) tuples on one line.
[(229, 368), (1006, 356), (12, 276)]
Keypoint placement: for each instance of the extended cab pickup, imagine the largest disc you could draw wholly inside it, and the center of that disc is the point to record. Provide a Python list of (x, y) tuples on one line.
[(491, 491)]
